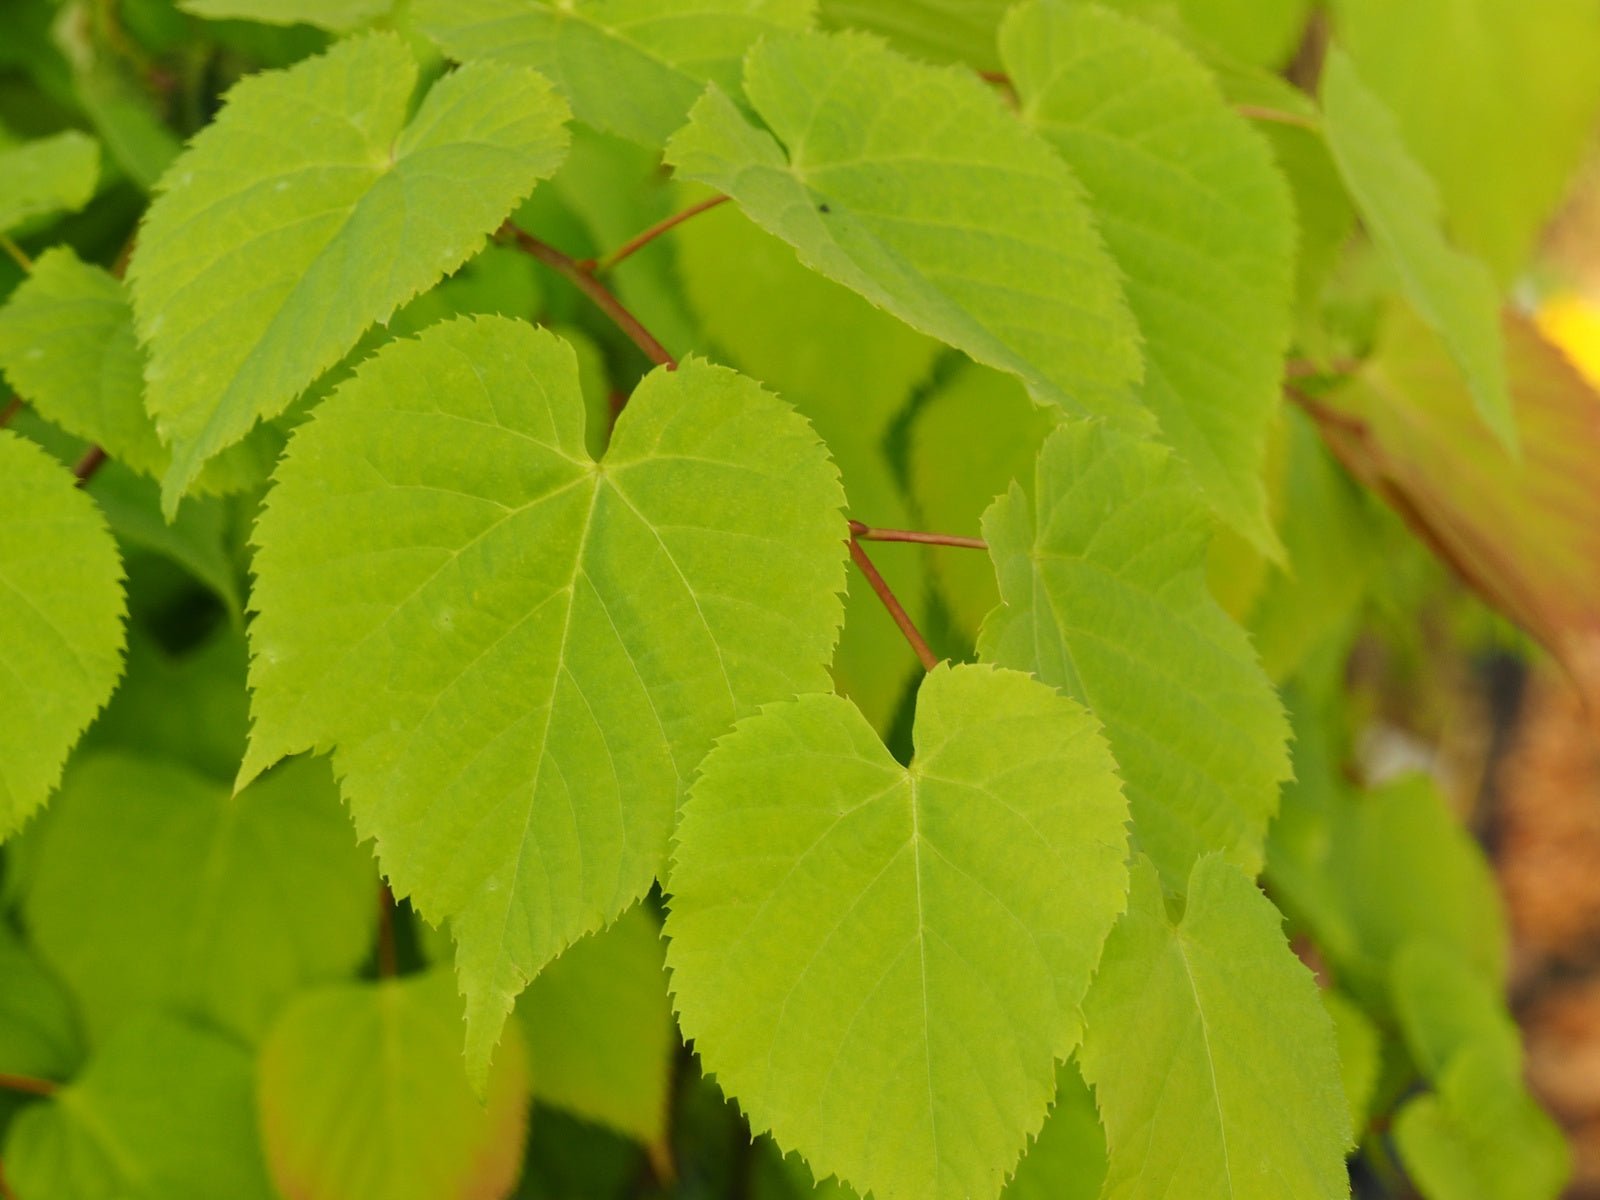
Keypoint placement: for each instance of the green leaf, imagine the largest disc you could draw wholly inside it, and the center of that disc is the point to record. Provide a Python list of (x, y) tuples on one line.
[(1481, 1137), (1360, 1055), (519, 655), (48, 175), (913, 186), (338, 15), (938, 30), (61, 609), (1446, 1007), (412, 1129), (1067, 1161), (1212, 1060), (306, 178), (1197, 216), (1103, 580), (153, 887), (844, 930), (599, 1029), (973, 436), (164, 1111), (1507, 116), (630, 67), (39, 1033), (68, 347), (1369, 873), (1399, 205)]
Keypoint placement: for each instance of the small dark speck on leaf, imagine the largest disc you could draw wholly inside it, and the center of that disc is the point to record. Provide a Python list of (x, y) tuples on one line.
[(822, 208)]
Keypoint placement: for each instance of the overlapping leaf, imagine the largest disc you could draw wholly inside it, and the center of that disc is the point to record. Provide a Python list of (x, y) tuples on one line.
[(1102, 579), (1399, 205), (631, 67), (1196, 215), (61, 608), (413, 1129), (914, 186), (152, 887), (47, 175), (329, 14), (314, 187), (1212, 1059), (518, 655), (844, 931)]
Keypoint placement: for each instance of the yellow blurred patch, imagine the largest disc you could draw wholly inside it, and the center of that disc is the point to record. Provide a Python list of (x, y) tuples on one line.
[(1572, 322)]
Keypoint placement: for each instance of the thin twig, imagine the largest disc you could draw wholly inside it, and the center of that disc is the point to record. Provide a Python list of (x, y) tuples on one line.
[(569, 268), (868, 533), (924, 655), (27, 1083), (93, 459), (1276, 116), (9, 413), (1304, 368), (603, 264), (17, 254), (388, 959)]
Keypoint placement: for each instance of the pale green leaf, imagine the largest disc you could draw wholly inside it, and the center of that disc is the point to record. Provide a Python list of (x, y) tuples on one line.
[(1508, 111), (913, 186), (1446, 1007), (1481, 1137), (164, 1111), (1249, 33), (1360, 1055), (307, 179), (47, 175), (519, 655), (1399, 205), (938, 30), (363, 1093), (599, 1030), (327, 14), (153, 887), (1195, 213), (1102, 575), (845, 931), (61, 635), (630, 67), (973, 436), (67, 346), (1212, 1060), (1067, 1161), (39, 1033)]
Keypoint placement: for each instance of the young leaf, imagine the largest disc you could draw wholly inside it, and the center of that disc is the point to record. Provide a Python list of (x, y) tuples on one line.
[(630, 67), (1213, 1062), (844, 930), (914, 186), (520, 655), (598, 1026), (1102, 576), (1481, 1137), (1197, 216), (49, 175), (1446, 1007), (306, 179), (413, 1130), (61, 607), (164, 1109), (151, 887), (1400, 208)]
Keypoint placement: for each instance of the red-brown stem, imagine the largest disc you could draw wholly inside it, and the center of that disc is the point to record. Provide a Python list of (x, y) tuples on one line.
[(868, 533), (569, 268), (12, 408), (606, 262), (1260, 112), (995, 77), (924, 654), (93, 459), (27, 1083), (388, 959)]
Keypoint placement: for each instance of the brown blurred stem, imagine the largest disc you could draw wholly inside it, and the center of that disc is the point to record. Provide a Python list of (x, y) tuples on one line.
[(879, 585)]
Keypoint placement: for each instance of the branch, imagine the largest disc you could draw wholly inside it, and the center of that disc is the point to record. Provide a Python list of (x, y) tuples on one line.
[(605, 263), (12, 408), (1277, 116), (868, 533), (93, 459), (924, 655), (28, 1084), (573, 272)]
